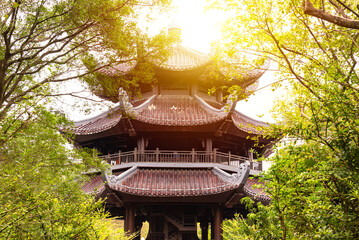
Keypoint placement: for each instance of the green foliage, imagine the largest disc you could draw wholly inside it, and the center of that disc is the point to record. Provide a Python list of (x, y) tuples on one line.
[(314, 179), (43, 43), (40, 184)]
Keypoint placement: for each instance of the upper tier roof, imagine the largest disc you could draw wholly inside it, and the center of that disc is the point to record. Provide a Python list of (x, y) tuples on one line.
[(185, 59), (181, 59)]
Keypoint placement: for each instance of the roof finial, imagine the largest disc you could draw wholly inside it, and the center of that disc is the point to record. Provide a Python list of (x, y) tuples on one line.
[(175, 27)]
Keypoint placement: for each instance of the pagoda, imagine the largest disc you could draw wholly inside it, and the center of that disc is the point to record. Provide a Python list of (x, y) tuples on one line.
[(178, 156)]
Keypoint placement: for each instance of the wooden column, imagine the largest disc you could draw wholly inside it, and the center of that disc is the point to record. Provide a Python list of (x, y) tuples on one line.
[(219, 95), (250, 154), (119, 157), (135, 154), (215, 155), (130, 219), (194, 90), (157, 154), (218, 218), (141, 144), (208, 148), (229, 158), (208, 144)]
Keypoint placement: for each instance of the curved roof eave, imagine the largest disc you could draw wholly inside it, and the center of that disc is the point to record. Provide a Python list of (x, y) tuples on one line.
[(250, 120), (258, 194), (99, 123)]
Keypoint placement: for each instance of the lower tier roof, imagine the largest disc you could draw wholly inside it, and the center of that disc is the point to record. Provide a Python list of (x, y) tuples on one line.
[(173, 183), (177, 182)]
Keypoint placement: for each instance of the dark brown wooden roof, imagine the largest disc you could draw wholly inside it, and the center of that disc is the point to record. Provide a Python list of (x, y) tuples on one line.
[(177, 182), (246, 123), (168, 110), (97, 124), (94, 184), (185, 59), (181, 59)]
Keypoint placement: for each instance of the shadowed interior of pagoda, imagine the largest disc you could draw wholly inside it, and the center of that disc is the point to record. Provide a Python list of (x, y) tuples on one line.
[(165, 141), (193, 221)]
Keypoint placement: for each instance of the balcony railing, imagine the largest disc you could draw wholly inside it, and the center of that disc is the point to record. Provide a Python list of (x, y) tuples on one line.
[(180, 157)]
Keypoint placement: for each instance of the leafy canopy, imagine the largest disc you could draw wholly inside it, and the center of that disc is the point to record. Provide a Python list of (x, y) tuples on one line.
[(40, 187), (314, 183), (44, 44)]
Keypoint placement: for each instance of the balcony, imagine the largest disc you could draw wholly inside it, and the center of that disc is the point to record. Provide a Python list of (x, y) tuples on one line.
[(164, 156)]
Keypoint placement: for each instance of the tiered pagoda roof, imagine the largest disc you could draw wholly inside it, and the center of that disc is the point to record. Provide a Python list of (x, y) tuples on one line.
[(184, 60), (206, 151)]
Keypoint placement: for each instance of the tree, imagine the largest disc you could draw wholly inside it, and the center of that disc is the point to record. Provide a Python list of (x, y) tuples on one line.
[(42, 45), (314, 183), (40, 187)]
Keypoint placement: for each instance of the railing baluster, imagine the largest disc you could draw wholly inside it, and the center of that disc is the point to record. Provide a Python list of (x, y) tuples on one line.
[(157, 153), (215, 155), (119, 157), (229, 158), (135, 155)]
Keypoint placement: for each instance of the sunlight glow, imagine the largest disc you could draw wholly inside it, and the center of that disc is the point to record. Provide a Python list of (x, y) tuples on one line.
[(199, 26)]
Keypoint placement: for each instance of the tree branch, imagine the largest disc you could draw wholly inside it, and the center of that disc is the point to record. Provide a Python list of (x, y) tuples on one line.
[(340, 21)]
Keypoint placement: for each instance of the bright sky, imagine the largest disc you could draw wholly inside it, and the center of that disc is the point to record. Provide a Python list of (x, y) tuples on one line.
[(199, 27)]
